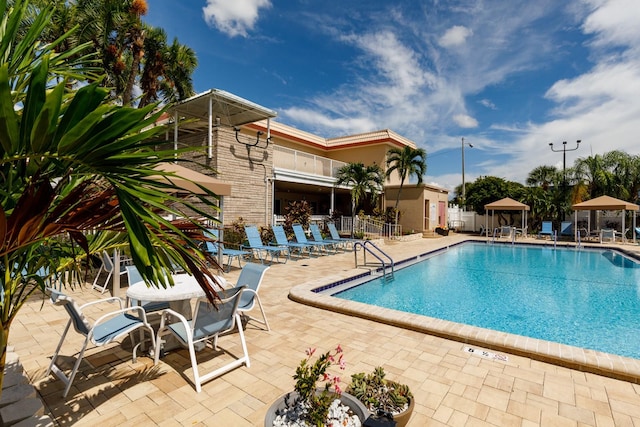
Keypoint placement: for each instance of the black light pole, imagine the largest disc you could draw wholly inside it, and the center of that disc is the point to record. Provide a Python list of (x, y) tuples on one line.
[(564, 168), (464, 190)]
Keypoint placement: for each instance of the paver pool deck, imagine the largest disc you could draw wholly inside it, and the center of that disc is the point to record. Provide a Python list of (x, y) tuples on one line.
[(452, 386)]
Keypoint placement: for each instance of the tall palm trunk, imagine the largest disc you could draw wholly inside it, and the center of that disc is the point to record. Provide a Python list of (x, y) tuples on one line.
[(398, 200), (138, 51)]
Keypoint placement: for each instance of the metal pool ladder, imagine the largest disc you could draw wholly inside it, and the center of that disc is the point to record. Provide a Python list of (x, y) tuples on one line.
[(369, 247)]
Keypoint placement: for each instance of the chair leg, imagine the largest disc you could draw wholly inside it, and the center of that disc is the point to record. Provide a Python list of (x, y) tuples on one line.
[(194, 365), (58, 372), (103, 288), (94, 285), (264, 316), (55, 354)]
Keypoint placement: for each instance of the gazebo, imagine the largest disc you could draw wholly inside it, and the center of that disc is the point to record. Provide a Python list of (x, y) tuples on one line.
[(607, 203), (506, 204)]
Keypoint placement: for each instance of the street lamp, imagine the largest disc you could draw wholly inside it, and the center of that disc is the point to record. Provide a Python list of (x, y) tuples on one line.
[(464, 190), (564, 166)]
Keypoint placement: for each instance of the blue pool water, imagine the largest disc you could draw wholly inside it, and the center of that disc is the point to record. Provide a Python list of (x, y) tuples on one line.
[(584, 298)]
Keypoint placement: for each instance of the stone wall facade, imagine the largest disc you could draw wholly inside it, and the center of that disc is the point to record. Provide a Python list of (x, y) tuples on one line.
[(248, 169)]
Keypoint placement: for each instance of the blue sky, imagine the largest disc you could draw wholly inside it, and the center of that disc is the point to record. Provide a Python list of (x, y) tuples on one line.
[(508, 76)]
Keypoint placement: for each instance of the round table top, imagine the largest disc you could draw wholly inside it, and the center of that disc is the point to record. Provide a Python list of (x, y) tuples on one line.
[(185, 287)]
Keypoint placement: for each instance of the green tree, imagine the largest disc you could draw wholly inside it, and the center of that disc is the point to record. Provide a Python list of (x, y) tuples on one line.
[(406, 162), (73, 162), (363, 180), (485, 190), (544, 176), (133, 56), (167, 70)]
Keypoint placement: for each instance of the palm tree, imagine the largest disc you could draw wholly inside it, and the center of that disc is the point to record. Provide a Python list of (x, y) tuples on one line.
[(72, 162), (167, 70), (407, 162), (543, 176), (363, 180), (132, 54)]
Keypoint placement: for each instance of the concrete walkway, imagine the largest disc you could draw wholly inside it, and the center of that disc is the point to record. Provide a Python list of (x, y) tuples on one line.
[(452, 387)]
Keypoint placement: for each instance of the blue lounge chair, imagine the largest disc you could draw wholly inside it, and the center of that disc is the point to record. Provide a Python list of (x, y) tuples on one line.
[(301, 237), (212, 248), (317, 237), (547, 229), (566, 229), (281, 240), (333, 231), (258, 248)]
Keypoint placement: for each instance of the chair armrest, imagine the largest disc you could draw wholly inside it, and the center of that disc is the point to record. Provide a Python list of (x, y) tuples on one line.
[(109, 300), (109, 315)]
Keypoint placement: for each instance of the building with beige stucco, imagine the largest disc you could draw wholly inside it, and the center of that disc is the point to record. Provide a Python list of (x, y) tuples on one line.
[(270, 164)]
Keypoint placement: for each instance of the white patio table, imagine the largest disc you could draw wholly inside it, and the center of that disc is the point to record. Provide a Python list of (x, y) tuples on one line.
[(178, 296)]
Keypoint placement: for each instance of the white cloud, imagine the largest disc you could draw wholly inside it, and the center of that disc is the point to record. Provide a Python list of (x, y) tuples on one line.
[(487, 103), (455, 36), (615, 22), (234, 17), (465, 121)]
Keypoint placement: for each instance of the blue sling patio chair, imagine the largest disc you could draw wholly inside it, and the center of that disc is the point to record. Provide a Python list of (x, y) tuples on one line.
[(547, 229), (258, 248), (333, 231), (206, 325), (251, 278), (317, 237), (231, 254), (107, 328), (566, 229), (301, 237), (281, 240)]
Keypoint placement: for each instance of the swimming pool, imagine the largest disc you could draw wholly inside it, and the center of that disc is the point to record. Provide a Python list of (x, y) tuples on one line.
[(583, 298)]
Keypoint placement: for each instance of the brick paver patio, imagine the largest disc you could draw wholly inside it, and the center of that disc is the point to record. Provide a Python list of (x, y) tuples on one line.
[(452, 387)]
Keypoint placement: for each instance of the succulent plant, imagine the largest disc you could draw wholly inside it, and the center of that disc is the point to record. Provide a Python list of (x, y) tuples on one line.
[(379, 394)]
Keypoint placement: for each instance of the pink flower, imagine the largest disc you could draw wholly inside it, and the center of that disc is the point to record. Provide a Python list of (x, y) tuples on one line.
[(339, 349), (338, 389), (310, 351)]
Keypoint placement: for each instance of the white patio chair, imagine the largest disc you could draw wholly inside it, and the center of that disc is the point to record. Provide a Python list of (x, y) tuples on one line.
[(107, 328), (107, 265), (207, 323)]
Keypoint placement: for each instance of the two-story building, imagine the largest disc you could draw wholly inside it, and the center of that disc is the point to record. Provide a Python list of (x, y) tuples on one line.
[(270, 164)]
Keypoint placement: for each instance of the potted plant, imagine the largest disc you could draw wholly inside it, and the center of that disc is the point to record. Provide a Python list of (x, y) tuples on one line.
[(310, 405), (442, 230), (382, 397)]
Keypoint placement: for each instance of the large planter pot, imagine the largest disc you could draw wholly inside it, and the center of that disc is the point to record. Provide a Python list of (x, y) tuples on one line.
[(354, 404), (402, 419)]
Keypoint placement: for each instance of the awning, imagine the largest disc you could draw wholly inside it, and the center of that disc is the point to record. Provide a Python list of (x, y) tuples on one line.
[(232, 110), (186, 179), (506, 204), (608, 203), (605, 203)]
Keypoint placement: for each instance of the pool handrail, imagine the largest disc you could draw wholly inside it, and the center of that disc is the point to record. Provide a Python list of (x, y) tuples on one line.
[(365, 249)]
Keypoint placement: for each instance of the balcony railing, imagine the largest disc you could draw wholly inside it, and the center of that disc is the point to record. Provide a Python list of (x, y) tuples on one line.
[(299, 161)]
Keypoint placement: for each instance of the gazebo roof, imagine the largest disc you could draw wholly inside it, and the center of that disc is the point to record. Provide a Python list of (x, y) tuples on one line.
[(507, 204), (605, 203)]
